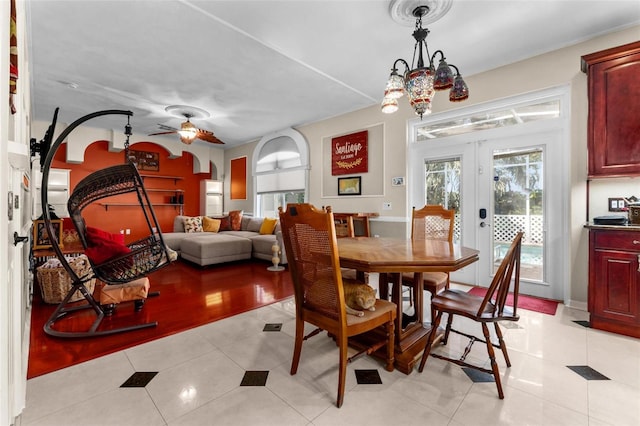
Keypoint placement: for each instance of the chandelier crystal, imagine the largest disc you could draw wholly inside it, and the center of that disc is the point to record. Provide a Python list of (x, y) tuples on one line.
[(421, 82)]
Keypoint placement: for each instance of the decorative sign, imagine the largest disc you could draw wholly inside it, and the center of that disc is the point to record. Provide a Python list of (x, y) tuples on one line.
[(145, 160), (349, 154)]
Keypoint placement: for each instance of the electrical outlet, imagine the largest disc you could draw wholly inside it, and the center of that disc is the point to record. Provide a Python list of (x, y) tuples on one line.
[(617, 204), (128, 231), (386, 206)]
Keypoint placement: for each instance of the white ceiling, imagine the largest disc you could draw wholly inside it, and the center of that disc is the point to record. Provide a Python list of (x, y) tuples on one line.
[(262, 66)]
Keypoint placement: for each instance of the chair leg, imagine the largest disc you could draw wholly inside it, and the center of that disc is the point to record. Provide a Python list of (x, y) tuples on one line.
[(390, 346), (448, 330), (492, 358), (342, 373), (503, 346), (297, 346), (432, 336)]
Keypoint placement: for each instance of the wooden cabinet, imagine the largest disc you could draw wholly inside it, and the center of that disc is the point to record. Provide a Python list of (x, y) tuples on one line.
[(614, 102), (614, 274)]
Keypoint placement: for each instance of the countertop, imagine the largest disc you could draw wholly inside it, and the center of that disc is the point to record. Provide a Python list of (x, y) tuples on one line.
[(626, 227)]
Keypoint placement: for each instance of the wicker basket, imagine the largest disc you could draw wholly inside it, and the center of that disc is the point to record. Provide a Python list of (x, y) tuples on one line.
[(55, 282)]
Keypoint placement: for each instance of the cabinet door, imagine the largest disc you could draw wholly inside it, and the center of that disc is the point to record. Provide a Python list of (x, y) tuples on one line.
[(614, 101), (615, 288)]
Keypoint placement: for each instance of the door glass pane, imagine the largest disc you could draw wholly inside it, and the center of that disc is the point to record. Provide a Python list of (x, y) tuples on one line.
[(442, 187), (518, 206)]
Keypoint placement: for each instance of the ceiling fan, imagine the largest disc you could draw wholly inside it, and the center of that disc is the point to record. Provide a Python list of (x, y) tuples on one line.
[(187, 131)]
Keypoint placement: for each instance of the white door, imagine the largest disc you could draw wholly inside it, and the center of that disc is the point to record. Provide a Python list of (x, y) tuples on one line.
[(519, 189), (426, 187)]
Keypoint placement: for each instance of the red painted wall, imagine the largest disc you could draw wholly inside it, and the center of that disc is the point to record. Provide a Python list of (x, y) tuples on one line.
[(115, 218)]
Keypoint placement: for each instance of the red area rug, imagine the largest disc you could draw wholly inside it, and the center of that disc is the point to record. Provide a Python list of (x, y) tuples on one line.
[(529, 303)]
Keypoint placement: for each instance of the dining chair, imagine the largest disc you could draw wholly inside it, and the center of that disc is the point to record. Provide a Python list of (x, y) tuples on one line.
[(431, 222), (310, 240), (488, 309)]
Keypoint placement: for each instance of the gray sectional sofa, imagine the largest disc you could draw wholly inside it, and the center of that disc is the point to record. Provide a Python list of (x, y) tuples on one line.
[(209, 248)]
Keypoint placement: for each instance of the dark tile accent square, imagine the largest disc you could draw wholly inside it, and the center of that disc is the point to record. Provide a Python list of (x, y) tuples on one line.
[(368, 377), (139, 379), (509, 324), (478, 376), (254, 378), (587, 372), (272, 327), (586, 324)]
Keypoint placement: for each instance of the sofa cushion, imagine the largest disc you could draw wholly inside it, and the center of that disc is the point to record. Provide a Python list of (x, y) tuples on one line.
[(225, 223), (235, 218), (178, 224), (245, 222), (192, 224), (210, 225), (268, 226), (254, 224), (215, 248)]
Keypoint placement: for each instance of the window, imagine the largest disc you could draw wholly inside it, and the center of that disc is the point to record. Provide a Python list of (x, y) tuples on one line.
[(281, 163)]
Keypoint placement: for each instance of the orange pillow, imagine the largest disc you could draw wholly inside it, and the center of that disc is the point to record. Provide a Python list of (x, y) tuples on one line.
[(235, 217), (210, 225), (268, 225)]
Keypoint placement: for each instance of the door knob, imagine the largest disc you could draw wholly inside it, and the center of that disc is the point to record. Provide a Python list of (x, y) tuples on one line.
[(18, 239)]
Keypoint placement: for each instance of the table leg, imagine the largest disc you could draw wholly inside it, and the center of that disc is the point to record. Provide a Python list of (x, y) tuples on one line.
[(410, 340)]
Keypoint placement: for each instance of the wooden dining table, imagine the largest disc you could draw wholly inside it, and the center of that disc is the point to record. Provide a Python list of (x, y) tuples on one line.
[(390, 257)]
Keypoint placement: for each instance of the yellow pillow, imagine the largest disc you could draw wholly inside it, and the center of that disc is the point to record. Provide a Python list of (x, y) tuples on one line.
[(268, 225), (210, 225)]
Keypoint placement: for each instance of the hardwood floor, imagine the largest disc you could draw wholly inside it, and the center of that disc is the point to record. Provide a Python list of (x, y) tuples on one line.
[(189, 296)]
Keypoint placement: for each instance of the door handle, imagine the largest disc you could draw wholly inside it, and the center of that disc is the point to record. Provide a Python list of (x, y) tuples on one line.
[(18, 239), (484, 224)]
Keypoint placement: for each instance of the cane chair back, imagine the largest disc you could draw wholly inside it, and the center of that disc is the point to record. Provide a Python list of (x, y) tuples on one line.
[(310, 241), (491, 308), (431, 222)]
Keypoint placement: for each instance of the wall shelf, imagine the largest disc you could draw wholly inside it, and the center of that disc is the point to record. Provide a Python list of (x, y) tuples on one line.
[(107, 205), (174, 178)]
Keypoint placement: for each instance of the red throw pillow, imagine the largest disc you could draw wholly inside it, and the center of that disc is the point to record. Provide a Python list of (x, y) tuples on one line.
[(96, 236), (235, 216), (108, 250), (103, 246), (225, 223)]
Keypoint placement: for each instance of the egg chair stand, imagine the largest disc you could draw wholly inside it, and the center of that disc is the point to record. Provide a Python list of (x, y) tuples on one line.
[(142, 257)]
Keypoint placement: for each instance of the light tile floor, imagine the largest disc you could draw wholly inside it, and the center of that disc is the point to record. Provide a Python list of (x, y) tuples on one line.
[(200, 371)]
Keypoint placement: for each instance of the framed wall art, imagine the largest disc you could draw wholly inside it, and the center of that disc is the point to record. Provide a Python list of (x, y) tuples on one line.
[(145, 160), (349, 186), (41, 238)]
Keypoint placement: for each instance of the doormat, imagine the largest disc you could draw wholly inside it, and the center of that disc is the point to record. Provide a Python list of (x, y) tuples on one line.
[(529, 303)]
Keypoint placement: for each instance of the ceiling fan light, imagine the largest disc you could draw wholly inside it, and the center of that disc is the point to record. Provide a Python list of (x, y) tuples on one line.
[(187, 131)]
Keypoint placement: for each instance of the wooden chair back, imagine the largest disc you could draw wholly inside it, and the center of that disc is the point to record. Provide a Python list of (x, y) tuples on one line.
[(432, 222), (344, 226), (309, 237), (501, 285), (310, 241)]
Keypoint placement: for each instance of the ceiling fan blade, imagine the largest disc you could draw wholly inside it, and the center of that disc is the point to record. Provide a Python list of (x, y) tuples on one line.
[(162, 133), (208, 136)]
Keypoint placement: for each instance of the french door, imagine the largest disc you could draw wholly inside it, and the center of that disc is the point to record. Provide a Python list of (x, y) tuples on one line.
[(509, 180)]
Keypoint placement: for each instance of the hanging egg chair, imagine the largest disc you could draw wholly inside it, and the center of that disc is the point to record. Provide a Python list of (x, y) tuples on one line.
[(123, 263)]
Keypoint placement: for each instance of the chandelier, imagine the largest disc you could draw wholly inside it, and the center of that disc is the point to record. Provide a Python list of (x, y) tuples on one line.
[(421, 82)]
